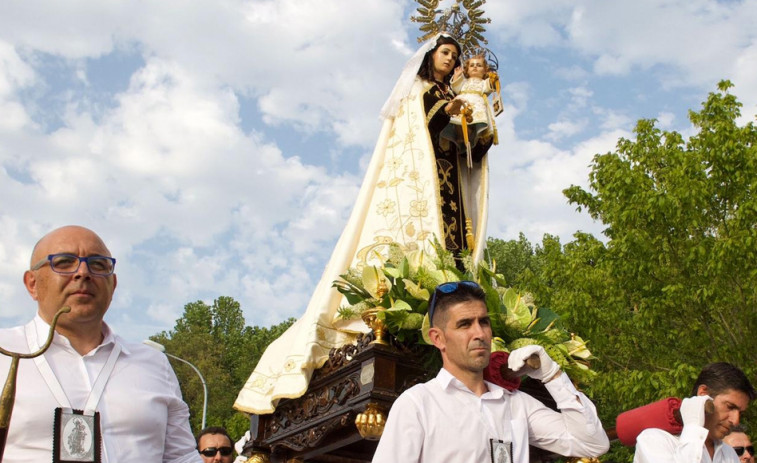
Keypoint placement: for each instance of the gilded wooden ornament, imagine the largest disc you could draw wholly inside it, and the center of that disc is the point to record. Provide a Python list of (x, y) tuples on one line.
[(259, 458), (370, 423)]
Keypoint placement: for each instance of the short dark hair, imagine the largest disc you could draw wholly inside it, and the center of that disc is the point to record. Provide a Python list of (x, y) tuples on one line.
[(720, 377), (739, 428), (464, 292), (213, 430)]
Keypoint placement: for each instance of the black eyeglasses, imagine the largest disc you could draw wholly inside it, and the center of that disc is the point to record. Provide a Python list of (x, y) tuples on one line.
[(211, 451), (447, 288), (67, 264), (740, 450)]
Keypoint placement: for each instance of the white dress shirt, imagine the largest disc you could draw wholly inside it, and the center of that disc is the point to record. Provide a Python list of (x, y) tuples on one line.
[(443, 421), (656, 445), (142, 415)]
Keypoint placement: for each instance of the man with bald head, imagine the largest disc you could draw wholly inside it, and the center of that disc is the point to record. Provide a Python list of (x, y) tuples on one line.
[(92, 396)]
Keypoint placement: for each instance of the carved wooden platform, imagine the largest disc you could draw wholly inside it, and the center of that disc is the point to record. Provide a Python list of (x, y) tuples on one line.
[(320, 426)]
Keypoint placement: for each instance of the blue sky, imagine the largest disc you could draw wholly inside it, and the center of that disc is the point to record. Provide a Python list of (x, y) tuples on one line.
[(217, 146)]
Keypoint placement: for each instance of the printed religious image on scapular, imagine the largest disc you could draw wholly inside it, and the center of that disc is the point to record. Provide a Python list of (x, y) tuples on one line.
[(76, 437), (501, 452)]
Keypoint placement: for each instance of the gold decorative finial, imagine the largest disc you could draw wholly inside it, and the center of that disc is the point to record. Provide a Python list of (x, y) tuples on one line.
[(258, 458), (371, 319), (370, 423), (470, 238)]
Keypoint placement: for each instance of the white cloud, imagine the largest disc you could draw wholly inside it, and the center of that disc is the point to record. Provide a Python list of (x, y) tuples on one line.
[(613, 120), (699, 37), (15, 74), (687, 42), (198, 198), (580, 96), (523, 188), (564, 128), (743, 77), (531, 24), (665, 120), (574, 73)]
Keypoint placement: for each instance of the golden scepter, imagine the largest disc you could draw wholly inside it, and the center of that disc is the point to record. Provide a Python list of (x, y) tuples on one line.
[(9, 390)]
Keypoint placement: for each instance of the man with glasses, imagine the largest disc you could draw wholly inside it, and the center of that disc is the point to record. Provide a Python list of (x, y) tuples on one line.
[(215, 446), (459, 417), (740, 442), (721, 394), (92, 397)]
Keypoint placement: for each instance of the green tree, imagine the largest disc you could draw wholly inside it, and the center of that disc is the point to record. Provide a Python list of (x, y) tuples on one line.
[(215, 339), (673, 285), (514, 259)]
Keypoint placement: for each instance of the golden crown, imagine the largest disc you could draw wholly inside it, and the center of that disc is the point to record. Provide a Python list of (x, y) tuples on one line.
[(464, 21)]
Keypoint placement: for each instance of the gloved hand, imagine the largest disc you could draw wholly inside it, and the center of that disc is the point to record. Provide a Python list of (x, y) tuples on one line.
[(239, 446), (546, 371), (693, 410)]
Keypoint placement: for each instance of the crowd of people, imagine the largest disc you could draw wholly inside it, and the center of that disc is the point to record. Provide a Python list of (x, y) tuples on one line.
[(96, 397)]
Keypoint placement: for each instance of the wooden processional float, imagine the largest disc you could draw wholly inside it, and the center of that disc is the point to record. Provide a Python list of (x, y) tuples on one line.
[(341, 415)]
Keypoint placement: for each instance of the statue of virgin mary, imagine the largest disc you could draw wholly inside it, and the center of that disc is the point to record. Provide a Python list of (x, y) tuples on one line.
[(417, 189)]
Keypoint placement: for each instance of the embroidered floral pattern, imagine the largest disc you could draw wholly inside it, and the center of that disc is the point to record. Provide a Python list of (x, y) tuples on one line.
[(386, 207), (419, 208)]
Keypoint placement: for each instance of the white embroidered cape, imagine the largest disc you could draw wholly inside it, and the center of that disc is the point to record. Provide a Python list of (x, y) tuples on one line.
[(398, 202)]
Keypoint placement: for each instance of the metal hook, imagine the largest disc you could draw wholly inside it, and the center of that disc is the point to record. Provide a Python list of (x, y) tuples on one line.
[(9, 390)]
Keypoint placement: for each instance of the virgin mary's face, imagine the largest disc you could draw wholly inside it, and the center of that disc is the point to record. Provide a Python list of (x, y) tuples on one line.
[(444, 59)]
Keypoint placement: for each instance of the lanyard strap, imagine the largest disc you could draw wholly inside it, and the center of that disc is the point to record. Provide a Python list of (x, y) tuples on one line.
[(52, 381)]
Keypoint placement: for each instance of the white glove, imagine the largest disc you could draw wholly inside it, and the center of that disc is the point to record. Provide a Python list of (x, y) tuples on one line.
[(547, 370), (239, 446), (693, 410)]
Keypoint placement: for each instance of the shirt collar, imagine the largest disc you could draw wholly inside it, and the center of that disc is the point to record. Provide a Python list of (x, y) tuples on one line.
[(447, 380), (42, 328)]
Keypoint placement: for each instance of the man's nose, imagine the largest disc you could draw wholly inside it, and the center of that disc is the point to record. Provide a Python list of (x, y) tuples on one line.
[(83, 270), (478, 331), (735, 417)]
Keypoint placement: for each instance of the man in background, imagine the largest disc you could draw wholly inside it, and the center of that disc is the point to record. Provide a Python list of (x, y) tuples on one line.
[(215, 445), (729, 392), (741, 443)]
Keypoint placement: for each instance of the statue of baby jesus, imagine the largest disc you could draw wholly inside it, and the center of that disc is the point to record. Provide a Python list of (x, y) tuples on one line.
[(473, 83)]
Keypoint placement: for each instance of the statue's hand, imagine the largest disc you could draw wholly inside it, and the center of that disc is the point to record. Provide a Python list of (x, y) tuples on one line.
[(454, 107), (458, 73)]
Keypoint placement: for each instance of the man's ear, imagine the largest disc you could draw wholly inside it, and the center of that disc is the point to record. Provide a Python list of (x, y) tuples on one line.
[(437, 337), (703, 390), (30, 281)]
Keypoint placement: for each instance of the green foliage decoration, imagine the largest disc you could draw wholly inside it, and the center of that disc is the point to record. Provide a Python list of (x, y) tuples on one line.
[(404, 284)]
